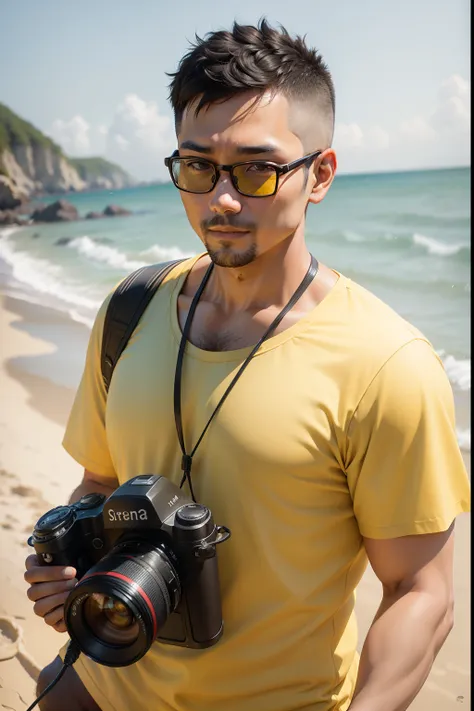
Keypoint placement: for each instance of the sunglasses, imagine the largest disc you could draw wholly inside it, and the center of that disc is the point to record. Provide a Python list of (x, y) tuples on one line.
[(256, 178)]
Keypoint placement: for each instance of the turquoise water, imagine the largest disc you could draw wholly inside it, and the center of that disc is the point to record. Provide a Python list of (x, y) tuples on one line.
[(405, 236)]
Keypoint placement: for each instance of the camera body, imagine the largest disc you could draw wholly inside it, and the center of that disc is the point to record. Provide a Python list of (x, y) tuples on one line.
[(146, 552)]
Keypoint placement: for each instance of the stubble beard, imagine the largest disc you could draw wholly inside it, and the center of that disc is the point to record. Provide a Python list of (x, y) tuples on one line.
[(226, 257)]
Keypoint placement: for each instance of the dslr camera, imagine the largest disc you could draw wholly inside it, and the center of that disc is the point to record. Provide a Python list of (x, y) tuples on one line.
[(147, 568)]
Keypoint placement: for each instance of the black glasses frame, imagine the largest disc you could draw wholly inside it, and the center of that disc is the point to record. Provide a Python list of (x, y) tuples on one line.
[(280, 169)]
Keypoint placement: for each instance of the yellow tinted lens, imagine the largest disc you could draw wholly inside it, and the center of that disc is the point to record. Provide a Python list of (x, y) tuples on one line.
[(256, 179), (197, 176)]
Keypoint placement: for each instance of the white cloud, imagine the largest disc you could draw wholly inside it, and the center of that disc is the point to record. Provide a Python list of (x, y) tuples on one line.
[(352, 138), (455, 86), (121, 142), (417, 129), (72, 135), (453, 112), (360, 150), (347, 136), (140, 137), (440, 137), (378, 137)]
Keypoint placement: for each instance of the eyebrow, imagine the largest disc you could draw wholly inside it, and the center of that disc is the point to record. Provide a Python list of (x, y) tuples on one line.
[(240, 150)]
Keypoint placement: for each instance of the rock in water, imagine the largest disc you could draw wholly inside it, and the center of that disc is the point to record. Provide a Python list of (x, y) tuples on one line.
[(9, 217), (115, 210), (59, 211), (63, 241), (10, 196), (94, 215)]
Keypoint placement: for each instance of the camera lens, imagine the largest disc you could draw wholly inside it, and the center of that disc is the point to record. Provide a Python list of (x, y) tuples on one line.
[(116, 610), (110, 620)]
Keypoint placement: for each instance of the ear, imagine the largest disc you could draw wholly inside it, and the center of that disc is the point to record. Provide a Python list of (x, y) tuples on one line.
[(324, 171)]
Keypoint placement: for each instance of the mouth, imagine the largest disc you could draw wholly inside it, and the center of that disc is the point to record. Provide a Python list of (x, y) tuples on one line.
[(228, 233)]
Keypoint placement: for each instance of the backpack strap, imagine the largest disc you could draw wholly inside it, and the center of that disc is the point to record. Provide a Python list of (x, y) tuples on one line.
[(124, 311)]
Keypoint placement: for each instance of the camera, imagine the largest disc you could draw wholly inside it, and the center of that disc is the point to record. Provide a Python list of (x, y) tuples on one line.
[(147, 568)]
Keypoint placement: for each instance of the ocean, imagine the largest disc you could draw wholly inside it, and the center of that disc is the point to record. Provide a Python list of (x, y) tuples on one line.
[(404, 236)]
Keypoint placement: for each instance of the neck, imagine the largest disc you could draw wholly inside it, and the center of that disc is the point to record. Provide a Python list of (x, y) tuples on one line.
[(268, 281)]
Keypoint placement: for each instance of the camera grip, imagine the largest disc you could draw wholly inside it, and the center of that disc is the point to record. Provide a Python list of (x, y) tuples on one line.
[(46, 556), (203, 600), (59, 558)]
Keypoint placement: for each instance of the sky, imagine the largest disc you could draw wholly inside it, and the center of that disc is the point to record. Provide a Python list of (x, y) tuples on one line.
[(92, 74)]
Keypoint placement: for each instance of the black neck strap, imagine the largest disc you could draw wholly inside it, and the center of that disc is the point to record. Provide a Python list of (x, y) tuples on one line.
[(187, 459)]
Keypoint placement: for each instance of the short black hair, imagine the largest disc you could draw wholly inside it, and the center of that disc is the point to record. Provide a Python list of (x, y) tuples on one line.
[(224, 64)]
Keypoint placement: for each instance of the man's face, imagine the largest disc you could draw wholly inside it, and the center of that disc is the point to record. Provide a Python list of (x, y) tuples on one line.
[(260, 224)]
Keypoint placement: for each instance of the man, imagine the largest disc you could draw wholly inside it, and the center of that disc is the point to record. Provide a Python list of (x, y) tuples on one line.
[(335, 446)]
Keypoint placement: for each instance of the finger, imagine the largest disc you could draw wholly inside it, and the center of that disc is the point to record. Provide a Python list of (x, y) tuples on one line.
[(42, 607), (60, 626), (48, 573), (31, 561), (39, 590), (55, 616)]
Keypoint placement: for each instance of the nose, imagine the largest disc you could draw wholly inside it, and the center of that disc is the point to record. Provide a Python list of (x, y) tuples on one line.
[(224, 198)]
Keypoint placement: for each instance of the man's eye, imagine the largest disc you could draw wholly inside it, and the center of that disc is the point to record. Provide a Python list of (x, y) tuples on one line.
[(260, 168), (198, 166)]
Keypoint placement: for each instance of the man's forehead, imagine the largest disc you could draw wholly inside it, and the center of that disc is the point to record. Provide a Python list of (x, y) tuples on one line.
[(254, 118), (246, 115), (238, 107)]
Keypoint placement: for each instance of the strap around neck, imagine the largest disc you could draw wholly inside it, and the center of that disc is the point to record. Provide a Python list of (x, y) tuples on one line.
[(187, 459)]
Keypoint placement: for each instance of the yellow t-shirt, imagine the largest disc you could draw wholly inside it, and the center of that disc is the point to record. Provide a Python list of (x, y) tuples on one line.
[(342, 426)]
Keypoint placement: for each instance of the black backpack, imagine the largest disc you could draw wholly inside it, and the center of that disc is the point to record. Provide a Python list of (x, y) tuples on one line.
[(124, 311)]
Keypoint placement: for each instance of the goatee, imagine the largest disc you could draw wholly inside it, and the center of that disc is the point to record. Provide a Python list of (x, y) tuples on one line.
[(227, 257)]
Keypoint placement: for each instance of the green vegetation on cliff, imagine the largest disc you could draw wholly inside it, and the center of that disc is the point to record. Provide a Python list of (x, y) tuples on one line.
[(96, 167), (15, 131)]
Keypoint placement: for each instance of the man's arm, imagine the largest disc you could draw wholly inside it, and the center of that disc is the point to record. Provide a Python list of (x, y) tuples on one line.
[(412, 622), (93, 483)]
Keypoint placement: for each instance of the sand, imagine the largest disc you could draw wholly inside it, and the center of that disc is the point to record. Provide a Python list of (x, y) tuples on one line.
[(36, 473)]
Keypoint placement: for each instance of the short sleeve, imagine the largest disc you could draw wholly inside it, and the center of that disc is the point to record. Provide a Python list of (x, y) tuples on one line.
[(85, 438), (404, 467)]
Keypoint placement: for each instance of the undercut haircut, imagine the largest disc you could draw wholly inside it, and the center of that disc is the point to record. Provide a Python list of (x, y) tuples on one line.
[(225, 64)]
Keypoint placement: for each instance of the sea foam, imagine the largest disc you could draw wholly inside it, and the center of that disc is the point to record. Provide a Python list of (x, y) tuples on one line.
[(113, 257), (103, 254), (41, 275), (431, 245), (464, 440), (438, 248), (458, 371)]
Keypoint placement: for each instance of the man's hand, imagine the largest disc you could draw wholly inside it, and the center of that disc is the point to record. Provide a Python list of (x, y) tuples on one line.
[(49, 587), (51, 584)]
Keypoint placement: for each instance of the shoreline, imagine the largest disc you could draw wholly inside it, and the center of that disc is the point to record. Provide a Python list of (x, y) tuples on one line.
[(67, 339), (36, 473)]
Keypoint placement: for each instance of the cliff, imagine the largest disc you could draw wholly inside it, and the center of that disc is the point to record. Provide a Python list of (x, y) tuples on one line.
[(32, 163), (99, 174)]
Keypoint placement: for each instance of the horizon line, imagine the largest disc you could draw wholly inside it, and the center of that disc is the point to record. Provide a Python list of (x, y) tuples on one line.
[(161, 181)]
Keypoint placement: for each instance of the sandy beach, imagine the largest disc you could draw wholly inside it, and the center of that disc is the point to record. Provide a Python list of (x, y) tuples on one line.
[(36, 473)]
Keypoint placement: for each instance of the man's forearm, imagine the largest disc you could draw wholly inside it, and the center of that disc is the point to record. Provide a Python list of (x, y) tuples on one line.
[(401, 645), (90, 487)]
